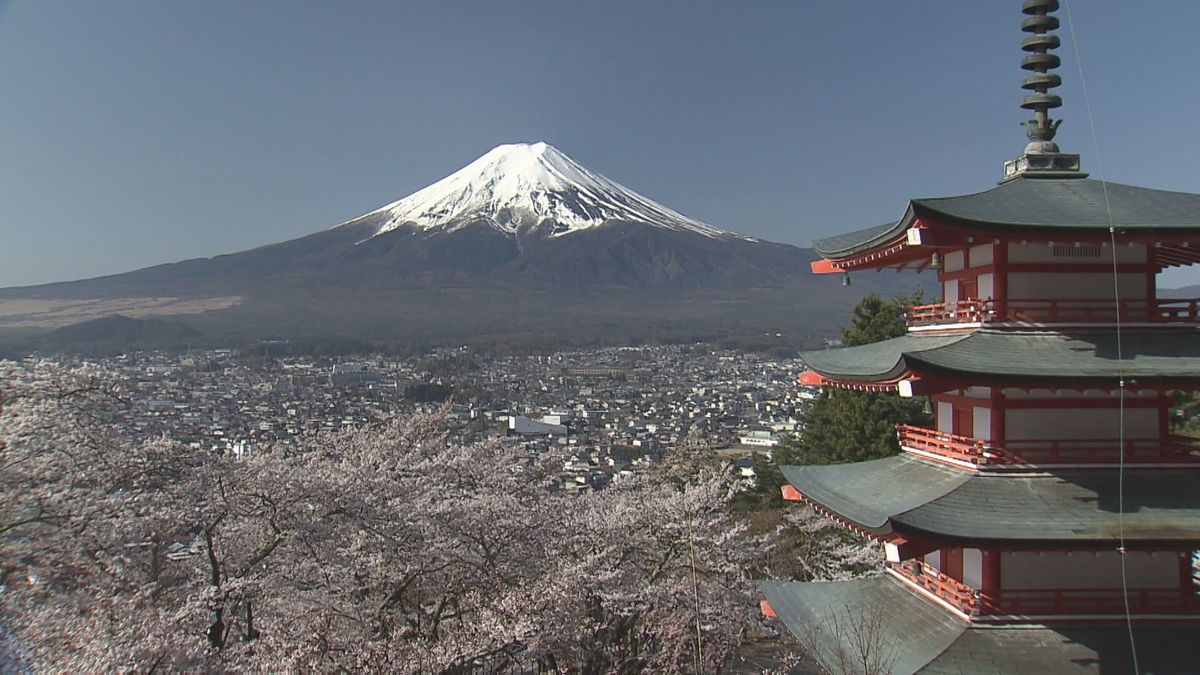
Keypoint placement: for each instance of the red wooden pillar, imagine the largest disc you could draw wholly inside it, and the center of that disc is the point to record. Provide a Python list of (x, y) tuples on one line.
[(1164, 417), (1000, 279), (1151, 274), (964, 421), (990, 579), (998, 413), (952, 563), (940, 274)]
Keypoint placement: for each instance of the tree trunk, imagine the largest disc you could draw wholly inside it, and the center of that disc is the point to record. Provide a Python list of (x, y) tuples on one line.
[(251, 632)]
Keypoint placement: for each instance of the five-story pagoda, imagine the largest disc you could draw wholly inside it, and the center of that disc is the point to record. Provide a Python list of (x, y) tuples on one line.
[(1047, 520)]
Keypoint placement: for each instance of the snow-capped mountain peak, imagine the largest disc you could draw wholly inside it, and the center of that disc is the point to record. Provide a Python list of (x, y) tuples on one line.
[(524, 184)]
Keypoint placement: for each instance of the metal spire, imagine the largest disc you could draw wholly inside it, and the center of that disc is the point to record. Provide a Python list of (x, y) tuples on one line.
[(1042, 157), (1041, 128)]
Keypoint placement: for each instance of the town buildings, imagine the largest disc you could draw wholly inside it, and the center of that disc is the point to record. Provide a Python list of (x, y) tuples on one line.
[(608, 410), (1048, 520)]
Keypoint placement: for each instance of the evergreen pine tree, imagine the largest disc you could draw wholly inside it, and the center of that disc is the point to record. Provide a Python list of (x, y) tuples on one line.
[(852, 426)]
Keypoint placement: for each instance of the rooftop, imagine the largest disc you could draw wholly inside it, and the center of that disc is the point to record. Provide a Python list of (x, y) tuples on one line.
[(1014, 355), (1027, 205), (916, 497), (915, 636)]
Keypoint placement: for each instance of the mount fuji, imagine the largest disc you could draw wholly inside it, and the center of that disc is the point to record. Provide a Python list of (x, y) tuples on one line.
[(520, 216), (522, 230), (523, 187)]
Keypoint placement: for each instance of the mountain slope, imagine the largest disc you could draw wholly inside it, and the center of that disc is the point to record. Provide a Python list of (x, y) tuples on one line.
[(523, 239), (520, 216)]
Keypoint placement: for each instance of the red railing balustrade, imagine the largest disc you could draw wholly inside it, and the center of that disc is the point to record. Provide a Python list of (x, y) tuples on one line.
[(953, 446), (1137, 451), (961, 311), (932, 580), (1048, 310), (1048, 602), (1076, 601), (1046, 451)]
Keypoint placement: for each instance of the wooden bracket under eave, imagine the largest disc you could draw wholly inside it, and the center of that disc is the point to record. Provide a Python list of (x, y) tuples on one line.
[(812, 378), (825, 266)]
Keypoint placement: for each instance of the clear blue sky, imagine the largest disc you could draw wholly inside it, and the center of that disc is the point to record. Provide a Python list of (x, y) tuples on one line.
[(135, 133)]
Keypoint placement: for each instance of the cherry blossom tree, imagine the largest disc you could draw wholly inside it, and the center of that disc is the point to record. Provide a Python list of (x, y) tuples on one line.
[(387, 548), (660, 574), (828, 551), (73, 499)]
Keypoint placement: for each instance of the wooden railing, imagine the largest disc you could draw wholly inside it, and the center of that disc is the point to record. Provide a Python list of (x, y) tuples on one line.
[(1049, 451), (1139, 451), (971, 310), (952, 446), (1047, 602), (1090, 601), (1177, 309), (1099, 311), (932, 580), (961, 311)]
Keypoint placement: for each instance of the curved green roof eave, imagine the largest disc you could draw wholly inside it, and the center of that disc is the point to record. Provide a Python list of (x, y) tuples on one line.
[(1057, 204)]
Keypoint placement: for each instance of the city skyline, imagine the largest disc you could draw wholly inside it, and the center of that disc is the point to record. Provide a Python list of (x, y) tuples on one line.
[(140, 134)]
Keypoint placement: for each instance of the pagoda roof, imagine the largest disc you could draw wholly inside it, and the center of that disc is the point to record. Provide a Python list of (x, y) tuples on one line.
[(1015, 355), (912, 496), (1025, 205), (869, 493), (910, 627), (915, 636)]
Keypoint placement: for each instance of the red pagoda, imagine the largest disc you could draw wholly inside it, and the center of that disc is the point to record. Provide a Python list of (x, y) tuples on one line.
[(1047, 521)]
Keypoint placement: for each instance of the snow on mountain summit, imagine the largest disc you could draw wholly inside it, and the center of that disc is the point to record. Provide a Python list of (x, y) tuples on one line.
[(526, 185)]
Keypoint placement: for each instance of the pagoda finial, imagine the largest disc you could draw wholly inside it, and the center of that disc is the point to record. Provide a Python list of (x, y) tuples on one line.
[(1042, 157), (1041, 128)]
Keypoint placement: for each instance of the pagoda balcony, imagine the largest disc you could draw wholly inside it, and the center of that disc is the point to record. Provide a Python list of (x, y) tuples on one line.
[(946, 588), (1073, 602), (1091, 601), (946, 445), (1048, 311), (975, 452)]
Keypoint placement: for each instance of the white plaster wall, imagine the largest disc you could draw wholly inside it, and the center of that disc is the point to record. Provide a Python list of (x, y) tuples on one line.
[(982, 423), (934, 559), (978, 392), (1037, 571), (1022, 424), (978, 256), (950, 290), (945, 417), (987, 285), (973, 567), (953, 261), (1018, 252), (1074, 286)]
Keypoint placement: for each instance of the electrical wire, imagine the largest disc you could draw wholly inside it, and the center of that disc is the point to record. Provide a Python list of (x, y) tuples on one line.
[(1112, 236)]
